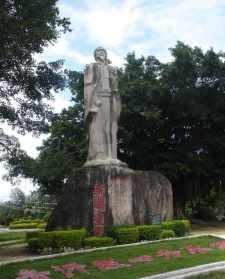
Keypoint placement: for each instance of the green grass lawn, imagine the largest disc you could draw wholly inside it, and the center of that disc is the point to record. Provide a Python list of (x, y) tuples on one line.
[(12, 236), (213, 275), (158, 265)]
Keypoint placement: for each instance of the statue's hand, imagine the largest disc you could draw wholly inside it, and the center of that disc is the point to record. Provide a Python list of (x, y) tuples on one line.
[(98, 103), (96, 106)]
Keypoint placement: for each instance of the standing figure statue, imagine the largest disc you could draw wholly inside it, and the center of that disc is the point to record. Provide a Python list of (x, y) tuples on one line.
[(102, 109)]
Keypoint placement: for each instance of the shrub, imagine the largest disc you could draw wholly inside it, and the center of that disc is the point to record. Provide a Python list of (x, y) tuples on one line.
[(30, 235), (35, 245), (112, 232), (26, 221), (46, 216), (126, 235), (180, 227), (23, 226), (187, 225), (100, 241), (167, 234), (58, 240), (41, 226), (149, 232)]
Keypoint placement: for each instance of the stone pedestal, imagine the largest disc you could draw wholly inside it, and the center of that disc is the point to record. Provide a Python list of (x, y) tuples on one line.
[(100, 197)]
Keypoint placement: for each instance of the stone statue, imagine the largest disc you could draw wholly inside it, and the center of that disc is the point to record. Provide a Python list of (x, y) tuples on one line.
[(106, 192), (102, 109)]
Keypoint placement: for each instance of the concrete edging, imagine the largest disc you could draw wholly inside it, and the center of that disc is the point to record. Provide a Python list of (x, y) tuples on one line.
[(188, 272)]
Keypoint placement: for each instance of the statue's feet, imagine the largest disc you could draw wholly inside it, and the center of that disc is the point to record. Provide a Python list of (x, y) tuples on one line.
[(105, 162)]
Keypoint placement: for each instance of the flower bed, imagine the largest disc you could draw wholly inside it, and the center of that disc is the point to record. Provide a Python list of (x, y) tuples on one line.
[(169, 254), (123, 262), (69, 269), (33, 274)]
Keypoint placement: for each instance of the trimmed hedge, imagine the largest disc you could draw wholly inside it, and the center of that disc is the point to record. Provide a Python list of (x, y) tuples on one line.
[(42, 225), (167, 234), (112, 232), (126, 234), (30, 235), (180, 227), (98, 241), (187, 224), (149, 232), (35, 245), (23, 226), (56, 240)]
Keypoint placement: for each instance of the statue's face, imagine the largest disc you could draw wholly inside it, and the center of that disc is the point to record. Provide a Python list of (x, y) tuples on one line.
[(101, 55)]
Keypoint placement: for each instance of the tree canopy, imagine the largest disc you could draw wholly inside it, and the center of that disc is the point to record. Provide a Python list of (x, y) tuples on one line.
[(26, 27)]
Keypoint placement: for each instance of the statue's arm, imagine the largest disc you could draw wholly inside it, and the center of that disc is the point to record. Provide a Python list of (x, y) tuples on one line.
[(91, 102), (89, 85), (114, 79)]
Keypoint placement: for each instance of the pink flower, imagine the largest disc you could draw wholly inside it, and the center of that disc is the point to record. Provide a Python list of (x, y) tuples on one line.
[(33, 274), (196, 249), (139, 259), (109, 264), (219, 245), (168, 254), (68, 269)]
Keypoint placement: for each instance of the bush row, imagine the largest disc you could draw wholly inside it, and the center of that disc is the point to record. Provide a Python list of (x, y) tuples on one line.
[(23, 226), (75, 239), (95, 241), (27, 224), (129, 234), (23, 220), (55, 240)]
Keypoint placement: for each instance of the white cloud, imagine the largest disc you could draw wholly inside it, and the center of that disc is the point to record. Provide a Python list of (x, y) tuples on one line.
[(194, 22), (111, 26), (25, 185), (63, 49), (148, 27)]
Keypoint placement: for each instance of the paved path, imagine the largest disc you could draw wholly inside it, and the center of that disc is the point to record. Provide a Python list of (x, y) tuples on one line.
[(217, 229)]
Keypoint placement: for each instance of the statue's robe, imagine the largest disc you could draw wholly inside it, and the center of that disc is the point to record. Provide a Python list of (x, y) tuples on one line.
[(102, 110)]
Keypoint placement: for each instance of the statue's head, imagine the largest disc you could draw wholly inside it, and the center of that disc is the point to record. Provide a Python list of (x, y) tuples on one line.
[(100, 55)]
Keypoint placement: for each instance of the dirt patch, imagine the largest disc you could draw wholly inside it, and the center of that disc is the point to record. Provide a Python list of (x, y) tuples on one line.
[(14, 252)]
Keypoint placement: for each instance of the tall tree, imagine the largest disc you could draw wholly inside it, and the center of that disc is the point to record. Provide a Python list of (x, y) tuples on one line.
[(17, 198), (26, 27)]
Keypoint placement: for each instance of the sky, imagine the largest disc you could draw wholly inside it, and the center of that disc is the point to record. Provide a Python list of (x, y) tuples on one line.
[(148, 27)]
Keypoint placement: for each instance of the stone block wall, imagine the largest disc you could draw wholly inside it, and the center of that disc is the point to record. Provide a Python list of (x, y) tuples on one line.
[(103, 196)]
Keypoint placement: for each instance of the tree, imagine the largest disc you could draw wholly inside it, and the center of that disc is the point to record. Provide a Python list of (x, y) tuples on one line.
[(62, 152), (17, 198), (26, 28)]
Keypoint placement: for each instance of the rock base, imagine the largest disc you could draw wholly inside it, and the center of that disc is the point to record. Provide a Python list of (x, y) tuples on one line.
[(100, 197)]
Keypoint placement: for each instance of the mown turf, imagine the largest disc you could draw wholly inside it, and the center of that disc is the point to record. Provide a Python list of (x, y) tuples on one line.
[(158, 265), (12, 236)]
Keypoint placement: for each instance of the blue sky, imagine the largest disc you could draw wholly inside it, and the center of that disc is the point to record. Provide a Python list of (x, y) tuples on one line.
[(148, 27)]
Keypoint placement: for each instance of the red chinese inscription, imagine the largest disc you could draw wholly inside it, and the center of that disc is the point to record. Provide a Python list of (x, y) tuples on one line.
[(98, 193)]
